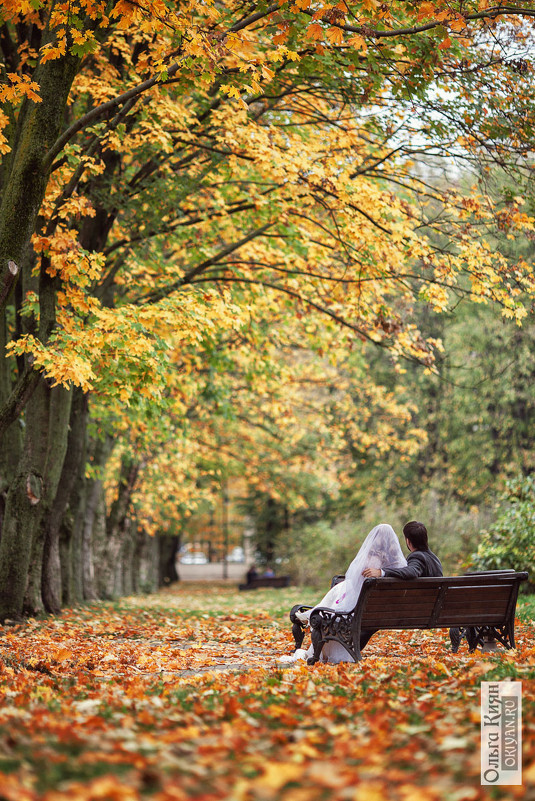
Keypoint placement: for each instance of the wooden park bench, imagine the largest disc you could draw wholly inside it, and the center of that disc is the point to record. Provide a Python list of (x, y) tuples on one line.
[(481, 606), (266, 581)]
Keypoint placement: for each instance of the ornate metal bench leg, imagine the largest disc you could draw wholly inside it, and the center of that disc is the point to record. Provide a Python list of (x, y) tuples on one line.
[(511, 635), (298, 631), (317, 643), (472, 636), (456, 635), (298, 627)]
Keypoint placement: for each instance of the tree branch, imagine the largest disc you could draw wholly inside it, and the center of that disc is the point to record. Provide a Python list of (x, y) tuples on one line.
[(98, 111), (188, 278), (9, 280), (254, 18), (19, 397), (489, 13)]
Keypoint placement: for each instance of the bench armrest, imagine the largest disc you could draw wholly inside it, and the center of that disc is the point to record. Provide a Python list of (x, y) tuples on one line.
[(298, 608), (321, 611)]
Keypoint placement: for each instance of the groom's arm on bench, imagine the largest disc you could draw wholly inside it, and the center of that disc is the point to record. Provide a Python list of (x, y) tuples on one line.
[(416, 567)]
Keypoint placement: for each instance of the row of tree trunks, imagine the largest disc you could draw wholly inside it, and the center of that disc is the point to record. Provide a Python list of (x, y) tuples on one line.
[(59, 546)]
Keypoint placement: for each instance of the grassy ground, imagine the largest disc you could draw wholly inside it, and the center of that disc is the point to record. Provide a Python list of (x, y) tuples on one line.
[(179, 696)]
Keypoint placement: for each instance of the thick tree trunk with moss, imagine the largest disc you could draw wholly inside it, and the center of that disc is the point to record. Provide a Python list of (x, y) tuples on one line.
[(12, 369), (10, 450), (30, 496), (33, 487), (37, 129), (60, 408), (24, 181), (36, 479)]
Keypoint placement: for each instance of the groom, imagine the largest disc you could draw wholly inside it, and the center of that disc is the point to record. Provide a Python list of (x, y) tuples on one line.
[(420, 562)]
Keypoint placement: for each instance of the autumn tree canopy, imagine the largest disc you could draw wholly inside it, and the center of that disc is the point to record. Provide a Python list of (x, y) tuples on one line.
[(206, 212)]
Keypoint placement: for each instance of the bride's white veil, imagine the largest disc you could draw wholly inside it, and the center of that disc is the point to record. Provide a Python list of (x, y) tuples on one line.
[(381, 548)]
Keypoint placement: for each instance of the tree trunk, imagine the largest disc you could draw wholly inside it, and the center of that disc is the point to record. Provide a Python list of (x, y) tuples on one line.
[(52, 569), (29, 497), (21, 194), (91, 521), (146, 563), (124, 578), (109, 544), (104, 576), (38, 127), (12, 438), (168, 552), (118, 524), (60, 409), (11, 442)]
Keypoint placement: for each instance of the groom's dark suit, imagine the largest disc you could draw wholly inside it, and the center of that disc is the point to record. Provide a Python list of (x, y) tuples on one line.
[(419, 564)]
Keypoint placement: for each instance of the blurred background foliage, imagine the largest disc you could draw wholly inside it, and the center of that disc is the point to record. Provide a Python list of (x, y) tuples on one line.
[(478, 414)]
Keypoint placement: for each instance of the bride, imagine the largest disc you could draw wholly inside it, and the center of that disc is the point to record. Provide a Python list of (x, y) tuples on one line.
[(380, 549)]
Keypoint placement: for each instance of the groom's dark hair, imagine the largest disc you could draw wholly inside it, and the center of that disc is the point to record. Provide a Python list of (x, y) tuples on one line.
[(416, 533)]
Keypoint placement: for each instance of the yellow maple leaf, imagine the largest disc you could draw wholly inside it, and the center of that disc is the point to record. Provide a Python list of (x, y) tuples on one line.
[(335, 35), (458, 24), (314, 31), (358, 42), (426, 10)]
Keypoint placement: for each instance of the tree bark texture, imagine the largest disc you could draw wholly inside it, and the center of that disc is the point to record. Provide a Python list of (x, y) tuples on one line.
[(146, 563), (60, 407), (24, 179), (51, 583), (168, 547), (38, 127), (118, 524), (30, 495)]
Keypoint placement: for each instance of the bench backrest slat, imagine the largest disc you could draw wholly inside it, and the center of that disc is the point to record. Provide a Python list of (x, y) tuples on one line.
[(266, 581)]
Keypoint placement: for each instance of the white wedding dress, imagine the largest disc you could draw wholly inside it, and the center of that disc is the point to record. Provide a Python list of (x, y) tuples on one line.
[(380, 549)]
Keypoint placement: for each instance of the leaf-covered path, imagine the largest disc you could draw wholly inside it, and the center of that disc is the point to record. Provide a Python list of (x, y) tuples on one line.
[(179, 696)]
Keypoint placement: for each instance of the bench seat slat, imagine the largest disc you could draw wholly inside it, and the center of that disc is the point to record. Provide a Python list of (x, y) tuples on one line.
[(461, 591), (403, 626)]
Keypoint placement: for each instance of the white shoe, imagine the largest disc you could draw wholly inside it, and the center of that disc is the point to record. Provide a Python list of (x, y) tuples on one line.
[(298, 654)]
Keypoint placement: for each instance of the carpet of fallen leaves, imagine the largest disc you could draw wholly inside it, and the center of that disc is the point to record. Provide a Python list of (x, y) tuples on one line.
[(179, 696)]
